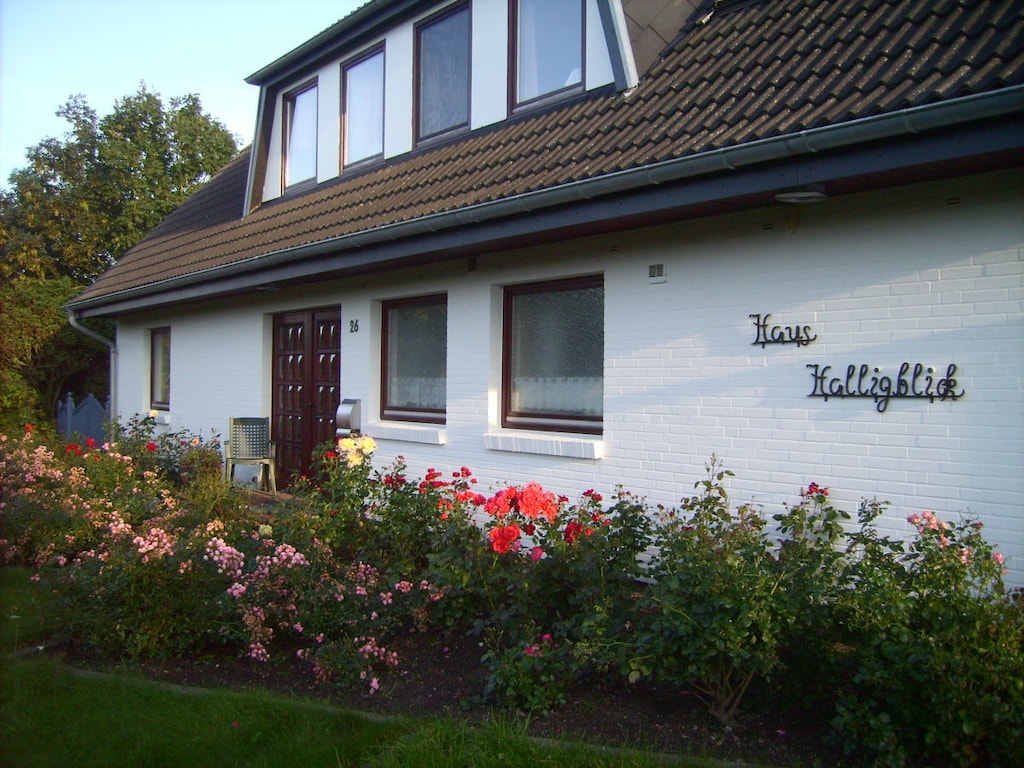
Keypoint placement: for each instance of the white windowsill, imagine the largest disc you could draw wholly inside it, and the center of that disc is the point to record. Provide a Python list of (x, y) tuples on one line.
[(410, 433), (567, 446)]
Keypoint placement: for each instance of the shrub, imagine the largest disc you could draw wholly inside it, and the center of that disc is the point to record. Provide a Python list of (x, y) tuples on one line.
[(936, 647), (567, 573), (916, 645), (180, 456), (149, 594), (719, 612)]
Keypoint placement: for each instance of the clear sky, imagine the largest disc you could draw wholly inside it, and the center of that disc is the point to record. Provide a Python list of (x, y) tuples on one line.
[(103, 49)]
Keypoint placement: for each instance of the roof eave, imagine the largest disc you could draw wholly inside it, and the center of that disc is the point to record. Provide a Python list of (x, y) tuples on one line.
[(743, 166), (368, 19)]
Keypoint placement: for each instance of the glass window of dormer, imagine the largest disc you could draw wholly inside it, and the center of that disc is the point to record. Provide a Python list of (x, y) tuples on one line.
[(300, 136), (363, 105), (442, 80), (548, 47)]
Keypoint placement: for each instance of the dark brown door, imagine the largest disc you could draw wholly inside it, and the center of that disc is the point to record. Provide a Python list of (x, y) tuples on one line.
[(306, 382)]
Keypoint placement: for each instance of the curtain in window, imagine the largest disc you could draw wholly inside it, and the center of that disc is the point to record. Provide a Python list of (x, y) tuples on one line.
[(444, 74), (301, 153), (160, 368), (417, 347), (558, 352), (364, 108), (550, 46)]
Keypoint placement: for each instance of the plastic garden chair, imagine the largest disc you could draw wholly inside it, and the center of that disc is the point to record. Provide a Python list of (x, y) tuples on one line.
[(249, 443)]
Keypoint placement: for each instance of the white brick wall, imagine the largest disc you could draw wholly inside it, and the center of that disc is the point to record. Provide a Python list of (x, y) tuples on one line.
[(881, 279)]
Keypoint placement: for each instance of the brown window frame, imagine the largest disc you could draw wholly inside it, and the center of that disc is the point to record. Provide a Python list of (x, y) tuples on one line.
[(550, 422), (417, 72), (406, 413), (288, 110), (343, 138), (515, 103), (156, 352)]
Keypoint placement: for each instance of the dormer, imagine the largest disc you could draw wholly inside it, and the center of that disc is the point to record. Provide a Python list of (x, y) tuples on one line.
[(400, 76)]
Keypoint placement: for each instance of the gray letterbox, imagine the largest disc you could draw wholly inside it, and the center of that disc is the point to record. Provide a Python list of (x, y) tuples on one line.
[(346, 420)]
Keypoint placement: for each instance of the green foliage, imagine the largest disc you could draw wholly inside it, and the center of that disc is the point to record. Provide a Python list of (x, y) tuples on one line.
[(41, 356), (70, 213), (915, 645), (180, 456), (935, 646), (718, 603), (83, 200), (532, 675)]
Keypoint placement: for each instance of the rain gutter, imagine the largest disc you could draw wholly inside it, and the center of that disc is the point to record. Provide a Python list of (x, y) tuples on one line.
[(905, 122)]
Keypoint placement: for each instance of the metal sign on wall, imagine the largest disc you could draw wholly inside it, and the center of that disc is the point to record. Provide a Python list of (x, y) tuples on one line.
[(910, 381)]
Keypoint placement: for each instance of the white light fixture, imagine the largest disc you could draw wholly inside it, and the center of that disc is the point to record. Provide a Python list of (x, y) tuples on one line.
[(809, 193)]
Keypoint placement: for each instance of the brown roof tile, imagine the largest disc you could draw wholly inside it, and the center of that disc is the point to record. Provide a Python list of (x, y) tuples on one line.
[(762, 70)]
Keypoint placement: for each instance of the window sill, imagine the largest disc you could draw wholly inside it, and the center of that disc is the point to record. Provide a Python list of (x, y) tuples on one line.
[(571, 447), (409, 433)]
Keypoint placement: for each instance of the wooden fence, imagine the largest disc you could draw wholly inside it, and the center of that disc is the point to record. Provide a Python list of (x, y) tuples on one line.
[(83, 420)]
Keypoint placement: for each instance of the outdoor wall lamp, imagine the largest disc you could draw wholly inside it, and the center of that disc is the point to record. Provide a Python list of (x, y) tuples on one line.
[(809, 193)]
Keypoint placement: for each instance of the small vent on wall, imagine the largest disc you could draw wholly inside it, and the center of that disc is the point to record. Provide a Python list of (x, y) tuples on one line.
[(955, 200), (656, 273)]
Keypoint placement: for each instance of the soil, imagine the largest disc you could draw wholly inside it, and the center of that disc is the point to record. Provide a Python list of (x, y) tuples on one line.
[(437, 679)]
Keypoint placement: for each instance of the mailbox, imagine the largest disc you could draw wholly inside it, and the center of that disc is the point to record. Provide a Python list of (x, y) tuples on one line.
[(346, 421)]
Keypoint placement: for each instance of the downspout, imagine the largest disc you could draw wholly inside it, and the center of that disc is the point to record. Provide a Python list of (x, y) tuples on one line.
[(111, 345)]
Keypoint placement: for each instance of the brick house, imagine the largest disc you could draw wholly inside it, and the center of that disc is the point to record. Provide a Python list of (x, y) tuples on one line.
[(594, 242)]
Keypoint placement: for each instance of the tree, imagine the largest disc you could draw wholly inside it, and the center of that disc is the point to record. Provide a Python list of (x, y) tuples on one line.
[(41, 356), (75, 209), (83, 201)]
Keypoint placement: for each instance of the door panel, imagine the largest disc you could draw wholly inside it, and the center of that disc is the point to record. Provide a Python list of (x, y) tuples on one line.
[(306, 386)]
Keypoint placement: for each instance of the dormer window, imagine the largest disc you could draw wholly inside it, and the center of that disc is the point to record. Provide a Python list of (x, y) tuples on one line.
[(299, 159), (363, 108), (442, 77), (548, 47)]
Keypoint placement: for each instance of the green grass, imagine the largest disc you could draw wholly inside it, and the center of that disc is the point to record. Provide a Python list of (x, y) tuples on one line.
[(27, 616), (53, 715)]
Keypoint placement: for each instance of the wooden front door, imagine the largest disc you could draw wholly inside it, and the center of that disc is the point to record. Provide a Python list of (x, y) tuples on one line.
[(306, 387)]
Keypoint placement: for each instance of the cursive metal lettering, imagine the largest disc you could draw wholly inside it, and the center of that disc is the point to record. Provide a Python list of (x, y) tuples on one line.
[(766, 333), (911, 381)]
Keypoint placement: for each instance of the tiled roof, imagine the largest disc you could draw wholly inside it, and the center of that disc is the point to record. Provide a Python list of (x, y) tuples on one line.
[(763, 70)]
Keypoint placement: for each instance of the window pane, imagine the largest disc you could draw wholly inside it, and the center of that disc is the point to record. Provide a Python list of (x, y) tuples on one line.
[(444, 74), (557, 352), (160, 368), (300, 160), (550, 52), (416, 355), (364, 109)]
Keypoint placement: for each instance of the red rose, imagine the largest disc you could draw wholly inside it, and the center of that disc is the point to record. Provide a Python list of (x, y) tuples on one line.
[(504, 537)]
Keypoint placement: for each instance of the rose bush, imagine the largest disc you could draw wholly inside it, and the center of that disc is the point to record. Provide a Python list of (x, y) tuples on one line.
[(914, 643)]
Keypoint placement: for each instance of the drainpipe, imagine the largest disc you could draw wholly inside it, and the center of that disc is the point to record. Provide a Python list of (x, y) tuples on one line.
[(111, 345)]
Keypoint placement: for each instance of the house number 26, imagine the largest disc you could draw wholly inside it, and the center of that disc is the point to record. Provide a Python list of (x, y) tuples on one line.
[(353, 326)]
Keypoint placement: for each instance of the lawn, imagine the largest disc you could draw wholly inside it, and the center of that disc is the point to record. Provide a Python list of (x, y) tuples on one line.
[(56, 715)]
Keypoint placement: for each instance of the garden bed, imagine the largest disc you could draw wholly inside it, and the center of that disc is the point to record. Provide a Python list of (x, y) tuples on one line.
[(529, 606), (447, 680)]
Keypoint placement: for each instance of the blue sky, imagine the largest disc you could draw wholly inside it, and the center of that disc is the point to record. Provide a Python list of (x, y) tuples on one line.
[(53, 49)]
